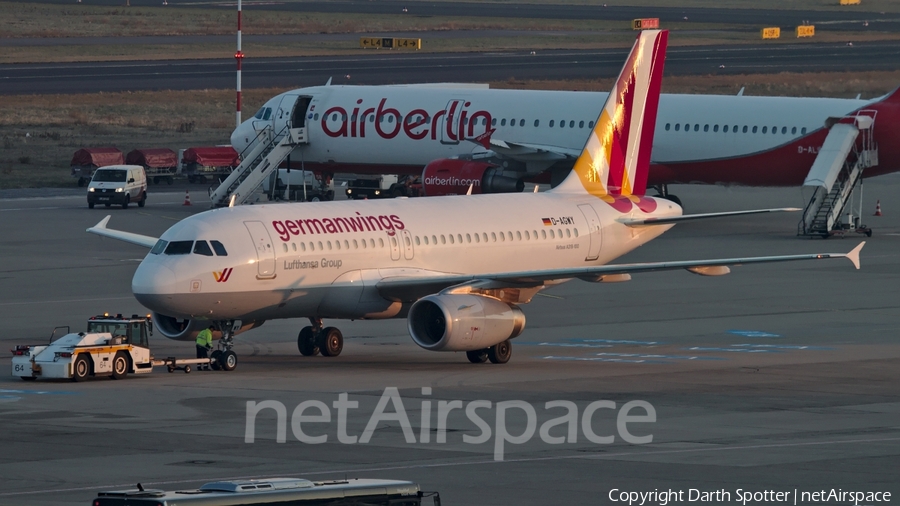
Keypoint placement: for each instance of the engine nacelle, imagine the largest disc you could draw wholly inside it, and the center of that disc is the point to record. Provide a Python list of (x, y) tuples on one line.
[(187, 330), (449, 176), (463, 322)]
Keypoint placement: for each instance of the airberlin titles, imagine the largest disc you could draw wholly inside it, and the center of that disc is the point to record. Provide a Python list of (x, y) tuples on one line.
[(359, 223), (449, 124)]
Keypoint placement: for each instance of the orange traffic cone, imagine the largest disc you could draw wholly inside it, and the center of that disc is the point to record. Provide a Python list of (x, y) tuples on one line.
[(187, 198), (877, 208)]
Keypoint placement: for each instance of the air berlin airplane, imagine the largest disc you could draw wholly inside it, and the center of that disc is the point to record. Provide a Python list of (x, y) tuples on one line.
[(456, 267), (495, 140)]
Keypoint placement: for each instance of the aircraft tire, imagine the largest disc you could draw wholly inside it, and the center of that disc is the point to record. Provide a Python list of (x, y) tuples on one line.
[(215, 356), (500, 353), (330, 342), (228, 360), (477, 356), (306, 342)]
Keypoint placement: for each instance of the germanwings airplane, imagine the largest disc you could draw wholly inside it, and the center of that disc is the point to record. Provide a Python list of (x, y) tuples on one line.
[(457, 277), (496, 139)]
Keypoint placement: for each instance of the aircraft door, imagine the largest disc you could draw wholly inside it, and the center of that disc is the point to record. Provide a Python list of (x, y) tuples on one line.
[(394, 241), (283, 114), (594, 232), (449, 123), (408, 251), (298, 115), (265, 250)]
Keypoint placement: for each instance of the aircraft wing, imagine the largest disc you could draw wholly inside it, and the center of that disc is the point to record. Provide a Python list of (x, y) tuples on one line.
[(141, 240), (532, 152), (408, 289)]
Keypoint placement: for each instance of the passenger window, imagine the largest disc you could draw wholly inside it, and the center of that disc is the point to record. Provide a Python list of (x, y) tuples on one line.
[(302, 246), (355, 244), (202, 248), (159, 247), (803, 131), (667, 126), (543, 234), (745, 129), (502, 237), (494, 122), (537, 122), (521, 122), (725, 129), (512, 122), (179, 247), (754, 129), (763, 130), (697, 127), (394, 242), (329, 245), (452, 241), (433, 240), (477, 239), (468, 238), (503, 122), (715, 128), (518, 235), (677, 126), (380, 242), (552, 234), (283, 244), (794, 131), (364, 245), (312, 246), (443, 241), (576, 232), (424, 238), (706, 128), (783, 130), (551, 123), (527, 236), (337, 244), (346, 244), (459, 238), (590, 124), (687, 127), (572, 124), (568, 233), (294, 246), (408, 242), (494, 236), (321, 246), (581, 124)]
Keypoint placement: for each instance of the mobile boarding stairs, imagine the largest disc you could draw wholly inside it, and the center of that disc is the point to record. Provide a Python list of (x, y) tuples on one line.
[(262, 159), (848, 150)]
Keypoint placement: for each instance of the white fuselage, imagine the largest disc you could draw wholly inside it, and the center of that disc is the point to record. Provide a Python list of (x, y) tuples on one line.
[(325, 259), (346, 135)]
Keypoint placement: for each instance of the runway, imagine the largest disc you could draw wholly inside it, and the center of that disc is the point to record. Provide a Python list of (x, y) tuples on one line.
[(776, 377), (396, 68)]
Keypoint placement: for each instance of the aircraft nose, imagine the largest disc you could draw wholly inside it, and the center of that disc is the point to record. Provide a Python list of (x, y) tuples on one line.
[(153, 285), (242, 136)]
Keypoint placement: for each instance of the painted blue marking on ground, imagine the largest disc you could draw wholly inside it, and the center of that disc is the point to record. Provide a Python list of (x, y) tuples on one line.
[(732, 350), (782, 346), (653, 356), (569, 345), (752, 333), (36, 392), (602, 359), (619, 341)]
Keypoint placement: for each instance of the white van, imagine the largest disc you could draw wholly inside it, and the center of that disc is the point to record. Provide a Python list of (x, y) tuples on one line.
[(118, 184)]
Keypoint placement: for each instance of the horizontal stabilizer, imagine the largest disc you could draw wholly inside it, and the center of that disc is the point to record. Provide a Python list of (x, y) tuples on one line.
[(646, 222), (140, 240)]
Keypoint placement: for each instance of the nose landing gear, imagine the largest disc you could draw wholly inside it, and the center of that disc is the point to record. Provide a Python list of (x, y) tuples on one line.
[(315, 339)]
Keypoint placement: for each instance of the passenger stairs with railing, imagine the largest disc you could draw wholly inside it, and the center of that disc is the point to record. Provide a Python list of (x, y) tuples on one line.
[(258, 162), (848, 150)]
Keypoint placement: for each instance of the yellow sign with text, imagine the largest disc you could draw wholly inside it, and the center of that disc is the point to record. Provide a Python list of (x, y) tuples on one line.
[(389, 43), (806, 31), (771, 33), (850, 2)]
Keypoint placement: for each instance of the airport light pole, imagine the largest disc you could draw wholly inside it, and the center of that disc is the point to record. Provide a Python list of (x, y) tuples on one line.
[(239, 56)]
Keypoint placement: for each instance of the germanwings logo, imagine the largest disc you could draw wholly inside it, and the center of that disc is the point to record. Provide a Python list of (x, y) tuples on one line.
[(222, 276)]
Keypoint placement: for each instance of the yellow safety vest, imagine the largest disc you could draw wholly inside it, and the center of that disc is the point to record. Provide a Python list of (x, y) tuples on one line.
[(204, 338)]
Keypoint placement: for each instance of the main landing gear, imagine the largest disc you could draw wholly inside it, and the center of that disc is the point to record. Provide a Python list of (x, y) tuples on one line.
[(315, 339), (498, 354), (663, 191)]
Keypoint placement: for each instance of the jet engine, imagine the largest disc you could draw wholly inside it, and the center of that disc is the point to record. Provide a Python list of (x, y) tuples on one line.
[(463, 322), (450, 176), (187, 330)]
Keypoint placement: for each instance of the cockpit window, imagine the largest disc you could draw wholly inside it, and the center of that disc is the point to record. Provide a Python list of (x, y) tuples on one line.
[(202, 248), (268, 114), (159, 247), (179, 247), (219, 249), (259, 114)]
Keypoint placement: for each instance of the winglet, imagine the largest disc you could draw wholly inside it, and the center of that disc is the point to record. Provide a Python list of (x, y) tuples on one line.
[(485, 138), (853, 256), (102, 224)]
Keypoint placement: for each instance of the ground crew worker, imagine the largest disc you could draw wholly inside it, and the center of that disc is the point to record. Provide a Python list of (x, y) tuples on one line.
[(204, 344)]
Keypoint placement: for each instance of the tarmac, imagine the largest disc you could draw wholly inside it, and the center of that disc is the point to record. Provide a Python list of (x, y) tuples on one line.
[(777, 377)]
